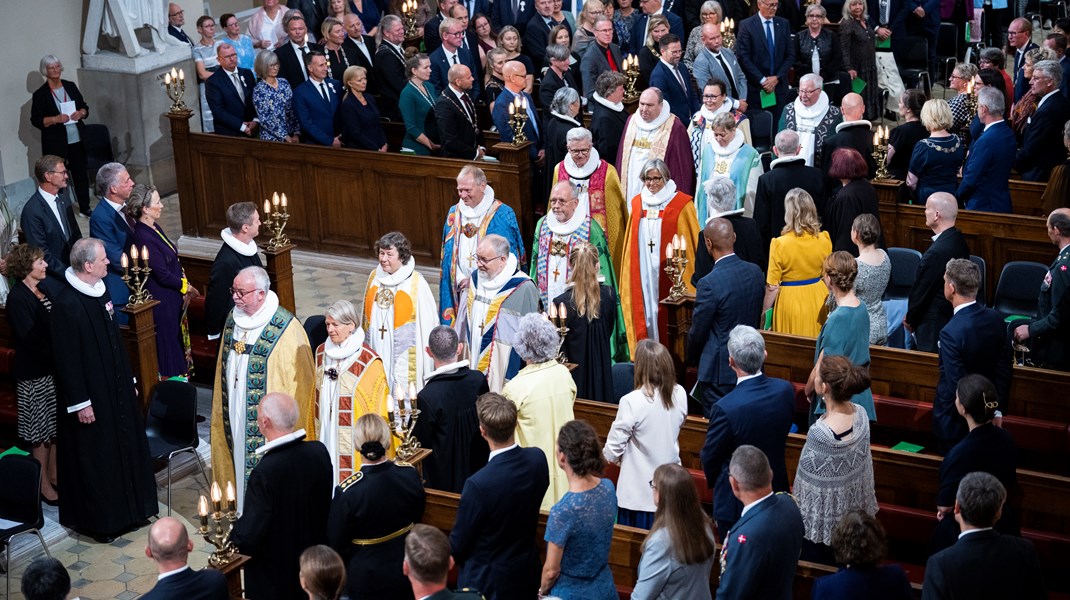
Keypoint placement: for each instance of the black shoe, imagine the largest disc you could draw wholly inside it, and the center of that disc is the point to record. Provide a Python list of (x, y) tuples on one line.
[(100, 538), (50, 502), (890, 116), (86, 213)]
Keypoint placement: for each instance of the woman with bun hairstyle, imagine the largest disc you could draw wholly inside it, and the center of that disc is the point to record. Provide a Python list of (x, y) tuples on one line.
[(835, 474)]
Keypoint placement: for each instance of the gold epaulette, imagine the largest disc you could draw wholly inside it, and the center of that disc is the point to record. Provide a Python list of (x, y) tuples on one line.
[(351, 480), (401, 463), (474, 593)]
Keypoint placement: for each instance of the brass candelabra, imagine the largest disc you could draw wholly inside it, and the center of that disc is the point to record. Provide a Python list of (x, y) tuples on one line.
[(136, 274), (675, 262), (518, 117), (402, 421), (175, 85), (558, 316), (276, 217), (1021, 354), (728, 35), (222, 523), (631, 77), (971, 100), (880, 151), (408, 14)]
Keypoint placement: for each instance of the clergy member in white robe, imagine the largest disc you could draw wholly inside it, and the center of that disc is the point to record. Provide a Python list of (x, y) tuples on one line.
[(654, 132), (812, 117)]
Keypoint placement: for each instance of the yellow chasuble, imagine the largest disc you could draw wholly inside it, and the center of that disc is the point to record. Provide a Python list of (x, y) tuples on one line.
[(399, 314)]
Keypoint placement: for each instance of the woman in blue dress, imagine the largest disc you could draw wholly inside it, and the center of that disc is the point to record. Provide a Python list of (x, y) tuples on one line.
[(580, 527), (273, 101), (361, 128), (417, 102), (935, 162)]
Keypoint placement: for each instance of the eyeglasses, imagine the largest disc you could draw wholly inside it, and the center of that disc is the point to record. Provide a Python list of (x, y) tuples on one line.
[(452, 33), (175, 14), (650, 178), (480, 260), (241, 294), (579, 151), (63, 172), (712, 96), (808, 92), (959, 77)]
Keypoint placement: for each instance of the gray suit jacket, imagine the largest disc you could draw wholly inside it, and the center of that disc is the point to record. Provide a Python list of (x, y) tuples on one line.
[(706, 67), (594, 63), (661, 575)]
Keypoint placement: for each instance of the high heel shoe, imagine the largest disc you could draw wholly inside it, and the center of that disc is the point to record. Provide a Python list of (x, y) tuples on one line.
[(50, 502)]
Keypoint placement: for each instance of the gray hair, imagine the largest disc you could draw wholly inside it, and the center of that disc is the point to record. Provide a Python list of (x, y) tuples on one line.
[(282, 409), (1066, 132), (711, 6), (47, 61), (84, 251), (259, 275), (656, 164), (264, 60), (846, 16), (573, 189), (980, 497), (343, 312), (107, 176), (994, 56), (747, 348), (291, 15), (536, 339), (965, 70), (813, 78), (499, 244), (442, 341), (564, 98), (579, 134), (816, 8), (750, 468), (389, 21), (993, 99), (556, 52), (1051, 69), (608, 81), (1040, 53), (787, 140), (720, 194), (474, 172)]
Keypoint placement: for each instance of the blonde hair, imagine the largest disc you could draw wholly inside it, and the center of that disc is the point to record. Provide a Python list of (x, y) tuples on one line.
[(653, 23), (800, 214), (586, 291)]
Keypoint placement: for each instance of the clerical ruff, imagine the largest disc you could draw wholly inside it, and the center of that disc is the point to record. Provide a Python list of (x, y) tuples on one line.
[(399, 313), (812, 123), (598, 185), (739, 162), (552, 247), (352, 383), (642, 141)]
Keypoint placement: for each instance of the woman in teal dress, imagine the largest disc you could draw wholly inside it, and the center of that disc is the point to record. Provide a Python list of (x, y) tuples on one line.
[(417, 103), (845, 333)]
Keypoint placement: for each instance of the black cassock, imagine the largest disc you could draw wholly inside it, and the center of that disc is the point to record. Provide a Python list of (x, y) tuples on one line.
[(448, 425), (587, 345), (217, 299), (104, 467)]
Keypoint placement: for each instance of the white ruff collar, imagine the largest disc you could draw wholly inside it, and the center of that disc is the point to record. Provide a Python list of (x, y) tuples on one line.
[(392, 279), (507, 273), (593, 161), (719, 215), (347, 348), (786, 159), (566, 118), (260, 317), (733, 146), (477, 211), (658, 121), (243, 248), (847, 124), (815, 112), (583, 210), (450, 368), (275, 443), (659, 200), (709, 115), (95, 290), (614, 106)]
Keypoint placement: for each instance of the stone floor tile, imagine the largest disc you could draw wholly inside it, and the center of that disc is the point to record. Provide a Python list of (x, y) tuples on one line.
[(127, 595), (78, 566), (80, 582), (78, 548), (140, 566), (102, 569), (125, 577), (142, 584), (100, 590), (122, 559)]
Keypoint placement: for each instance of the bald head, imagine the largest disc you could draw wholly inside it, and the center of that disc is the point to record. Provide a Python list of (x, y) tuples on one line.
[(720, 236), (650, 104), (277, 415), (512, 71), (853, 107), (169, 544), (941, 210), (460, 76)]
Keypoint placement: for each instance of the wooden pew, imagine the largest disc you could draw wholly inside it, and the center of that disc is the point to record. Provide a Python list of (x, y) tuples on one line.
[(1025, 195)]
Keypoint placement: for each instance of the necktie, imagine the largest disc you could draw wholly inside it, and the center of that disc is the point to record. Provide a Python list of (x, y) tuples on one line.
[(323, 92), (531, 116), (62, 217), (612, 63), (769, 44), (680, 78), (454, 59), (304, 69), (516, 9), (728, 76), (237, 85)]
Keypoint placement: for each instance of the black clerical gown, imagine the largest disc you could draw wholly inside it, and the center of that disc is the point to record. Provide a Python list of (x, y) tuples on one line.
[(377, 502), (587, 345), (448, 425), (104, 467), (217, 299)]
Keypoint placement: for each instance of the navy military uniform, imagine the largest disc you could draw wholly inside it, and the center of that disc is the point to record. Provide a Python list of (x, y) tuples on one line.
[(761, 552), (1050, 333)]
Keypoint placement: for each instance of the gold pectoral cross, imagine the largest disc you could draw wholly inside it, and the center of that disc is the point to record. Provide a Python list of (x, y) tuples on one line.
[(556, 273)]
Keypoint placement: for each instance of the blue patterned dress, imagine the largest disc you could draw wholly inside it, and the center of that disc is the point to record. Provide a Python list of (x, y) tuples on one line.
[(582, 524), (274, 107)]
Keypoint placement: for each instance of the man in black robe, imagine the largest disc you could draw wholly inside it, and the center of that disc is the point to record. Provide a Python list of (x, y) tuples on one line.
[(237, 252), (104, 464), (448, 424)]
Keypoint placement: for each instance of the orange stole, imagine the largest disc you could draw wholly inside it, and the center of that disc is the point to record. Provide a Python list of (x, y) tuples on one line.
[(404, 307), (670, 218)]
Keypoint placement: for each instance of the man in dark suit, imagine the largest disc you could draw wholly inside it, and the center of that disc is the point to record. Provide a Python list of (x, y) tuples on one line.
[(316, 103), (719, 63), (853, 132), (493, 539), (1050, 333), (601, 56), (363, 47), (537, 33), (237, 252), (757, 412), (985, 175), (1057, 42), (451, 53), (110, 224), (474, 7), (176, 18), (787, 171), (1042, 140), (287, 502), (511, 12), (390, 66), (649, 8), (973, 341), (674, 80), (983, 563), (292, 53), (515, 75), (314, 12), (47, 219), (927, 309), (766, 54), (428, 563), (922, 19), (469, 41), (169, 546), (731, 294), (558, 75), (432, 37), (608, 117), (761, 553), (1020, 37), (230, 95), (456, 116)]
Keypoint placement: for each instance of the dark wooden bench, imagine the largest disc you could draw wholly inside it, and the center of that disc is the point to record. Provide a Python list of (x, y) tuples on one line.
[(9, 409)]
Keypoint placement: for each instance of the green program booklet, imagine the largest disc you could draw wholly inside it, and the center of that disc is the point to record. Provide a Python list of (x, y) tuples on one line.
[(907, 447)]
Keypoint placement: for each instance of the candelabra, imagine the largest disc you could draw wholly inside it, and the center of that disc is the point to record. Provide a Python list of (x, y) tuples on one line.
[(971, 100), (558, 315), (518, 117), (276, 217), (675, 262), (1021, 354), (136, 268), (631, 77), (408, 13), (175, 85), (880, 151), (218, 535), (403, 420), (728, 35)]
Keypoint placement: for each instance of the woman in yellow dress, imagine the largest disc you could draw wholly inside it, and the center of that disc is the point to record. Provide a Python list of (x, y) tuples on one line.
[(793, 282)]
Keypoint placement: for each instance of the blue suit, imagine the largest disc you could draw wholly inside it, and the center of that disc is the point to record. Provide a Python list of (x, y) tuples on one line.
[(683, 100), (880, 582), (731, 294), (440, 69), (316, 115), (973, 341), (753, 54), (500, 116), (676, 27), (493, 539), (112, 228), (987, 171), (758, 412), (40, 228), (1042, 140), (228, 109), (206, 584), (761, 552)]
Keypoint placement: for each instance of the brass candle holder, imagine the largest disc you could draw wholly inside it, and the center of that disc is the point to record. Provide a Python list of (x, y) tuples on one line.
[(218, 534), (136, 270), (175, 85), (728, 35), (518, 117), (276, 217), (402, 420), (675, 261), (631, 77), (408, 15), (1021, 354), (880, 151), (971, 100), (558, 315)]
